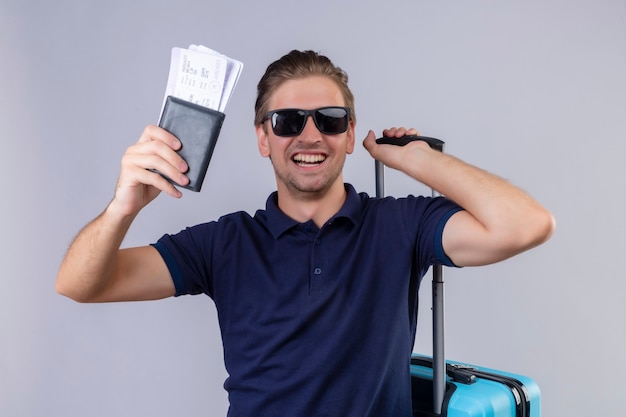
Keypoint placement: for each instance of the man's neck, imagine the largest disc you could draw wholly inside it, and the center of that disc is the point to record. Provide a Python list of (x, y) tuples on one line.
[(318, 207)]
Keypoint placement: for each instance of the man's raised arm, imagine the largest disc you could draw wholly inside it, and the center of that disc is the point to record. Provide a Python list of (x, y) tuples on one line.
[(94, 268), (499, 220)]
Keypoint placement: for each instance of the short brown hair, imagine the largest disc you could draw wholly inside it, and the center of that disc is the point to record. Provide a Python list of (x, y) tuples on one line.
[(299, 64)]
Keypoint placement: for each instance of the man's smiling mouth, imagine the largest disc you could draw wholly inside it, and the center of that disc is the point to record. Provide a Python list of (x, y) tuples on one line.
[(308, 160)]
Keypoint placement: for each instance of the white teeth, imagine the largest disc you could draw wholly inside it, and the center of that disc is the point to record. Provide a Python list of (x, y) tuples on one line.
[(308, 159)]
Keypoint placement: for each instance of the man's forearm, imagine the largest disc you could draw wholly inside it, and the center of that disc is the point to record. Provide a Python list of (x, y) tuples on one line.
[(488, 197), (91, 259)]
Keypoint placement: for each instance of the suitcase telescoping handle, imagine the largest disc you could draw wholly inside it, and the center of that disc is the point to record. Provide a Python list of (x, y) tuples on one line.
[(439, 360)]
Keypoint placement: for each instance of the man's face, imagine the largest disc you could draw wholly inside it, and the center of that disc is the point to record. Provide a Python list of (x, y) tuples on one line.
[(309, 164)]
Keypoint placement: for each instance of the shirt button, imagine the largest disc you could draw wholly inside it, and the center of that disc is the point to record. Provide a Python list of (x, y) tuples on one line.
[(317, 271), (318, 241)]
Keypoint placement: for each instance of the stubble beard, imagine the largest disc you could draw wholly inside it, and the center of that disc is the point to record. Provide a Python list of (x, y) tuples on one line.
[(303, 188)]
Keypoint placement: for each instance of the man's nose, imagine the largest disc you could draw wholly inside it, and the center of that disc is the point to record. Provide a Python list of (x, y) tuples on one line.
[(310, 131)]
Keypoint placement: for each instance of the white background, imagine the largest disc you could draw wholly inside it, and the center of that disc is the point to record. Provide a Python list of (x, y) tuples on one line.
[(534, 91)]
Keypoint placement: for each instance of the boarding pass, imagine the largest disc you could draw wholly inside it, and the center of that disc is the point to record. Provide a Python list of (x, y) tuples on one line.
[(202, 76)]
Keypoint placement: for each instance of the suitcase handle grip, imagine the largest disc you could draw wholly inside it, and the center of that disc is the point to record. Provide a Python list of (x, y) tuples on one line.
[(434, 143)]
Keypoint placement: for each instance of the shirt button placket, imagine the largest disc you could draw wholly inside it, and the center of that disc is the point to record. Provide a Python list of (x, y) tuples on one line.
[(317, 281)]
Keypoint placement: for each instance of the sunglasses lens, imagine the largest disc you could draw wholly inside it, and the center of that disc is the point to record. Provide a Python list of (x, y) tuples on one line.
[(332, 120), (288, 122), (329, 120)]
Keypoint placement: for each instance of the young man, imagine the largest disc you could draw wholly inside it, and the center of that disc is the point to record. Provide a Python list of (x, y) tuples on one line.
[(317, 294)]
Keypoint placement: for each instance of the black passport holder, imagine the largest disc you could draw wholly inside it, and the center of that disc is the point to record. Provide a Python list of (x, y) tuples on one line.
[(197, 128)]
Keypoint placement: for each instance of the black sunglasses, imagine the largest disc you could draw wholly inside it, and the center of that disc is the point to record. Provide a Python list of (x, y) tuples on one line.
[(331, 120)]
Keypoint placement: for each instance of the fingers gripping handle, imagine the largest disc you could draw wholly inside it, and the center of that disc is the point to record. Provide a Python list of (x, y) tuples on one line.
[(434, 143)]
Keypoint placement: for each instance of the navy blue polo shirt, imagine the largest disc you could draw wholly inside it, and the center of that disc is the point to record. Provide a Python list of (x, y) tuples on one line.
[(315, 321)]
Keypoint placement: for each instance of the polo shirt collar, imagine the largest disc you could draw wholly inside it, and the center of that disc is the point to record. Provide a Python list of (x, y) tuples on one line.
[(278, 222)]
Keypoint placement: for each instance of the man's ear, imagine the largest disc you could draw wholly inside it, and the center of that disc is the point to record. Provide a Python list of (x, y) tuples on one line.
[(263, 142), (350, 141)]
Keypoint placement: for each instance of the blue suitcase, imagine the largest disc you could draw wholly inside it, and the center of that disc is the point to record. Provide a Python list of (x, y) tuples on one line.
[(454, 389), (473, 391)]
